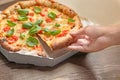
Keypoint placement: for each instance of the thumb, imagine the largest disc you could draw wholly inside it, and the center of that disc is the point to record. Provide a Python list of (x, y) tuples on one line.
[(78, 32)]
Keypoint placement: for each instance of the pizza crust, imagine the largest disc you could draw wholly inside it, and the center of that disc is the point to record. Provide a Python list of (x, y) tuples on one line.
[(61, 42), (1, 17), (58, 43), (6, 46), (25, 4), (49, 3), (11, 9), (62, 8)]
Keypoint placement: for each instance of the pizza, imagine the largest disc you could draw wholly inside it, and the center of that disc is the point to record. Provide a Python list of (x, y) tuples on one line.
[(51, 20)]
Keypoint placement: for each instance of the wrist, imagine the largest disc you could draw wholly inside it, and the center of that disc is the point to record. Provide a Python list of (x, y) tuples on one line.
[(113, 33)]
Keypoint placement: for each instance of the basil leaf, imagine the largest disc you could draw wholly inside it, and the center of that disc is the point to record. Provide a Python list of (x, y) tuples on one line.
[(71, 20), (27, 25), (10, 23), (23, 11), (50, 32), (57, 25), (34, 29), (47, 31), (55, 32), (22, 18), (22, 35), (52, 15), (37, 10), (31, 41), (10, 33), (38, 22)]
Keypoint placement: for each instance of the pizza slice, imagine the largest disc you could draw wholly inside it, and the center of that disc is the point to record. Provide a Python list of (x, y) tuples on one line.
[(51, 20)]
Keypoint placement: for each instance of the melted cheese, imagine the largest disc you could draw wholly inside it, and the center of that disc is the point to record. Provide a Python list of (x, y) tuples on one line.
[(62, 20)]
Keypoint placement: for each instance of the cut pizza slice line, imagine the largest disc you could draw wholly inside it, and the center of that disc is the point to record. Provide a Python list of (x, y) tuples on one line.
[(51, 20)]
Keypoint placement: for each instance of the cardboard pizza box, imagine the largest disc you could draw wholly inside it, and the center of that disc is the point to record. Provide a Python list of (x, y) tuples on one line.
[(25, 57)]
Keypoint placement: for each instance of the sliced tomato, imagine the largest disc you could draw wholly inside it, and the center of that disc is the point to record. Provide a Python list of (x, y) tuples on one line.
[(59, 15), (42, 14), (22, 30), (42, 25), (31, 14), (38, 47), (63, 33), (15, 37), (10, 40), (48, 20), (40, 32), (31, 19), (7, 28)]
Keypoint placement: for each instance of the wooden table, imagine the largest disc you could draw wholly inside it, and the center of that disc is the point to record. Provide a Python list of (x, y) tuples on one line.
[(102, 65), (68, 70)]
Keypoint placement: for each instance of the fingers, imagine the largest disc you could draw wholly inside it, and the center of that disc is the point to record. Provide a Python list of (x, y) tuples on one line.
[(83, 41), (80, 34), (87, 39), (77, 32), (76, 47), (89, 30), (80, 45)]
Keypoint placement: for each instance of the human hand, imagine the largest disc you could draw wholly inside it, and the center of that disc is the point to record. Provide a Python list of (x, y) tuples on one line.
[(91, 38)]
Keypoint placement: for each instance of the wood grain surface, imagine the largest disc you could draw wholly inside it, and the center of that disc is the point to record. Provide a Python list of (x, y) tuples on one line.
[(102, 65), (64, 71)]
